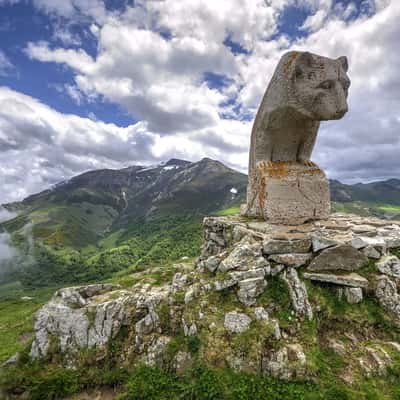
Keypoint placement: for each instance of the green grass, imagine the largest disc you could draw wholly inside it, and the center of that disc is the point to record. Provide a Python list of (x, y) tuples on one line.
[(365, 208), (389, 208), (229, 211), (199, 383), (16, 316)]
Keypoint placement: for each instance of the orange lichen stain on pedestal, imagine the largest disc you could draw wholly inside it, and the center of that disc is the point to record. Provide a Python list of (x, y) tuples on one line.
[(261, 193), (283, 169)]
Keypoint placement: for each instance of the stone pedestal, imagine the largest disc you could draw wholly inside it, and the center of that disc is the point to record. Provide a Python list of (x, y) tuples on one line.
[(287, 193)]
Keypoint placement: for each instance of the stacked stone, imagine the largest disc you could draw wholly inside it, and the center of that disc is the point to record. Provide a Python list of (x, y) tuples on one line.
[(330, 252)]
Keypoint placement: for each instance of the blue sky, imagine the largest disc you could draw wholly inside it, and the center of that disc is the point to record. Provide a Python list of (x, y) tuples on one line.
[(92, 84)]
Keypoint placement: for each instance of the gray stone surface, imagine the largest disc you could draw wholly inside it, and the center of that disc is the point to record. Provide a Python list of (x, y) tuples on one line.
[(353, 295), (284, 133), (251, 273), (277, 269), (342, 257), (294, 260), (371, 252), (156, 352), (236, 322), (245, 256), (261, 314), (277, 246), (353, 280), (290, 193), (388, 296), (378, 243), (298, 293), (79, 317), (320, 242), (250, 289), (389, 265), (225, 284), (179, 281), (286, 363)]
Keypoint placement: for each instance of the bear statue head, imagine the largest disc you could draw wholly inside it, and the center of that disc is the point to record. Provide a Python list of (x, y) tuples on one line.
[(320, 86)]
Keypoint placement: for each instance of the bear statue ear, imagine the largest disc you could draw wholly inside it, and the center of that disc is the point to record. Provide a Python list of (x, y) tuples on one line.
[(303, 64), (344, 63)]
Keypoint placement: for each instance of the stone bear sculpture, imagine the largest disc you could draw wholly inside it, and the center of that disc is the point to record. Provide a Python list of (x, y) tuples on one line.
[(304, 90)]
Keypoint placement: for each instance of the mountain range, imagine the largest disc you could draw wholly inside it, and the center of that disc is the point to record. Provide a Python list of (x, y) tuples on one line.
[(88, 207), (81, 211)]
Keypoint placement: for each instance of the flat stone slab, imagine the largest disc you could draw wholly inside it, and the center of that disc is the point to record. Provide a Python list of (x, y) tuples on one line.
[(343, 258), (352, 280), (294, 260), (279, 246)]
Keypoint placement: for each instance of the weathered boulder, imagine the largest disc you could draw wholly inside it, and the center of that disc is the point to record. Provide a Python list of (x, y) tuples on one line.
[(353, 295), (261, 314), (179, 281), (342, 257), (79, 317), (389, 265), (250, 289), (225, 284), (287, 363), (298, 293), (244, 256), (155, 355), (236, 322), (251, 273), (352, 280), (211, 263), (388, 296), (148, 324)]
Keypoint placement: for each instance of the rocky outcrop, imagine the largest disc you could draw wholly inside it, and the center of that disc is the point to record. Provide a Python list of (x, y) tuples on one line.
[(79, 317), (245, 301), (90, 316)]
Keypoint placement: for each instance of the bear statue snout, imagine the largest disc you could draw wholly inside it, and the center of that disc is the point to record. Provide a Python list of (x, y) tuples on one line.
[(341, 111)]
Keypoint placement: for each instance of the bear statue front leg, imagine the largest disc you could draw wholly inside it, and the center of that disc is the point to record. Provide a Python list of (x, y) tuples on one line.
[(308, 163), (264, 165)]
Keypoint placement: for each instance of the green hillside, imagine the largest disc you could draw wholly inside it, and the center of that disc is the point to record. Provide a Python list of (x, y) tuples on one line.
[(103, 222)]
